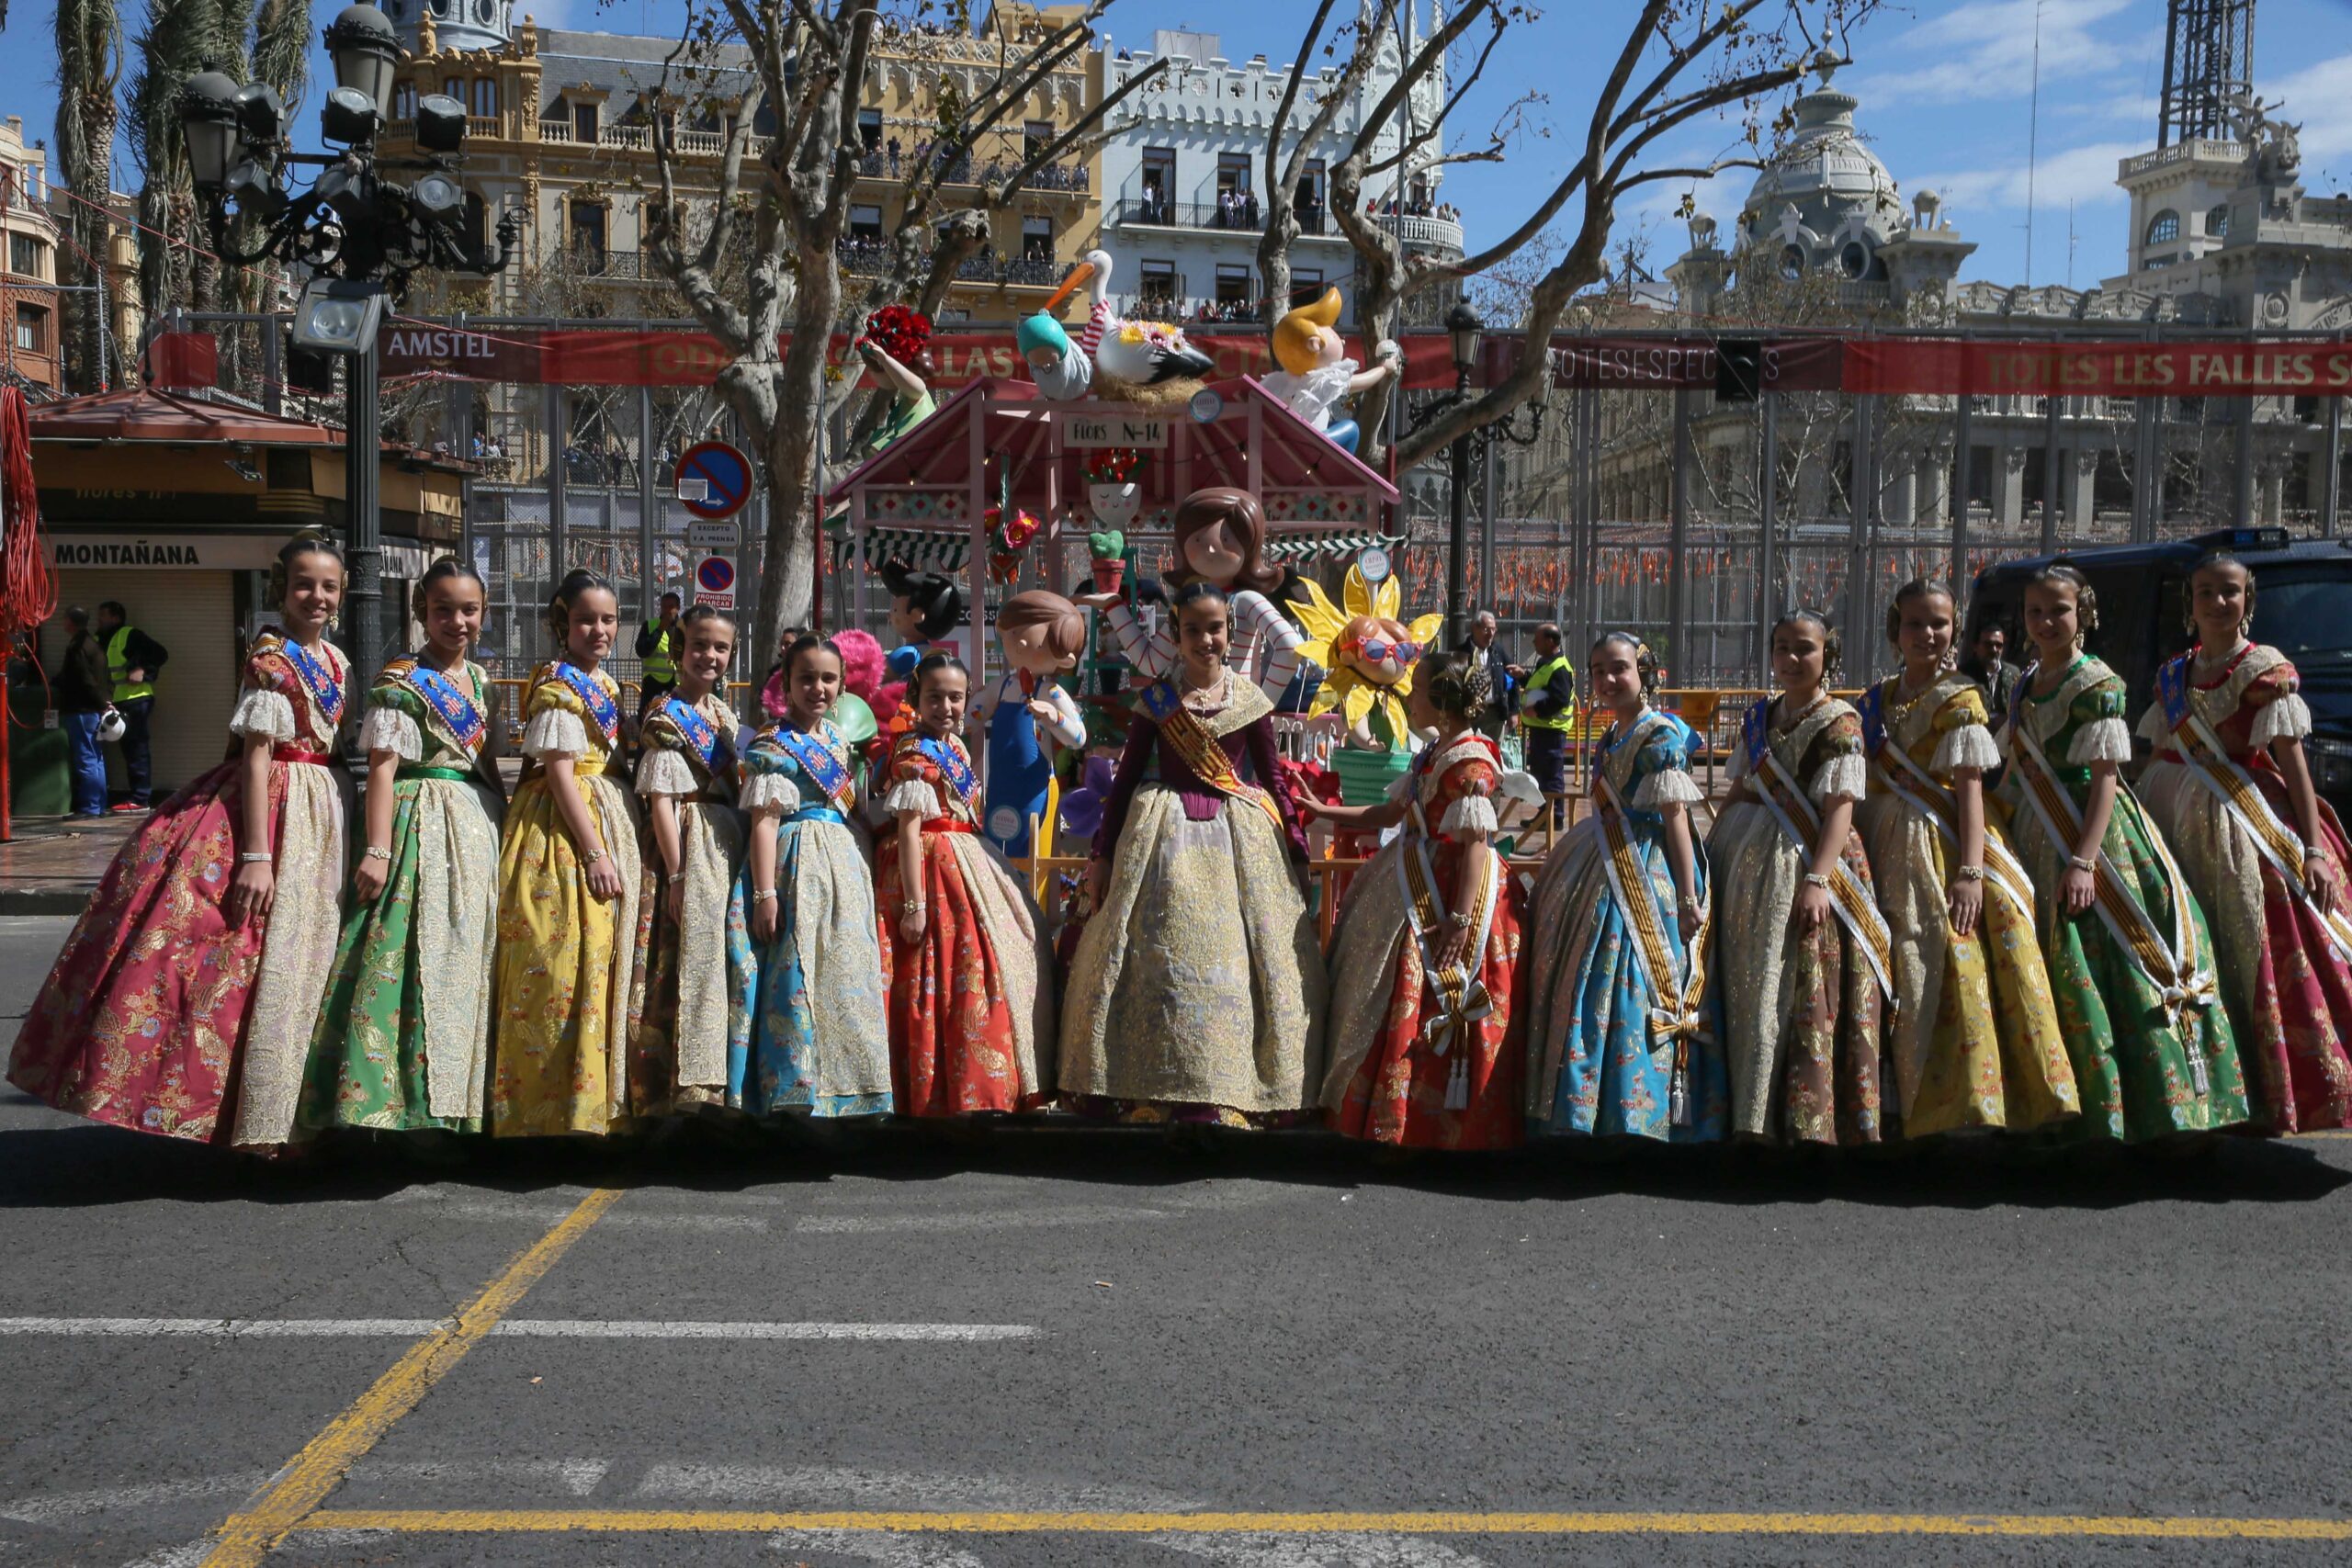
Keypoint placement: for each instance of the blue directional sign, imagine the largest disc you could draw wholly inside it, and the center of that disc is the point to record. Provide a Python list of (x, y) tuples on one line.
[(714, 479)]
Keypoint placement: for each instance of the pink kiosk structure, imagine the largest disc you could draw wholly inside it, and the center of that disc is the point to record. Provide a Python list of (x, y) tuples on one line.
[(925, 498)]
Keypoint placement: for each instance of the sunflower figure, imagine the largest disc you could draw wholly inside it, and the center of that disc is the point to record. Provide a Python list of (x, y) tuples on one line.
[(1369, 652)]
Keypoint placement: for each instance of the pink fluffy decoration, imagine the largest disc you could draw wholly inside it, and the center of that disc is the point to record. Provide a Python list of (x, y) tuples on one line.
[(862, 664)]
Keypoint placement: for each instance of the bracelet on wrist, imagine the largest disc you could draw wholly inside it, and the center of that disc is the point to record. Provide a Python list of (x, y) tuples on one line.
[(1815, 879), (2078, 863), (762, 895), (594, 855), (377, 851), (255, 857), (1969, 873)]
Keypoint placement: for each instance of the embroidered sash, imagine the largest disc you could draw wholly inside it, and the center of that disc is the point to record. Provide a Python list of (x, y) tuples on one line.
[(2175, 968), (2210, 763), (1893, 768), (953, 767), (822, 765), (697, 732), (1675, 982), (1855, 907), (467, 724), (1201, 750), (317, 676), (602, 709)]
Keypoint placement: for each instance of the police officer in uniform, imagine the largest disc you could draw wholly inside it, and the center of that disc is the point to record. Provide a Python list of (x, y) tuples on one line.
[(659, 643), (1547, 712), (132, 660)]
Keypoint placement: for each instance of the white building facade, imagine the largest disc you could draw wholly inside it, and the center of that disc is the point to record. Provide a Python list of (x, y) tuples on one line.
[(1183, 171)]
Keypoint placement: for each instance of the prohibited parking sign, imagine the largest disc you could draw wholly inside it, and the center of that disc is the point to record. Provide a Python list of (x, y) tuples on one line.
[(715, 583), (714, 479)]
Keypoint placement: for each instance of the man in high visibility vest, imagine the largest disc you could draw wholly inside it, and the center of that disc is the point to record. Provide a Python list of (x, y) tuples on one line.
[(1547, 711), (658, 647), (133, 660)]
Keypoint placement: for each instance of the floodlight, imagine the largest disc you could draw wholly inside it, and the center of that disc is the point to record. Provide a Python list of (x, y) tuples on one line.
[(338, 315)]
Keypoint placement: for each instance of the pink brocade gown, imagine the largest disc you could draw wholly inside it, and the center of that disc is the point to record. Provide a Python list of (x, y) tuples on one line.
[(2287, 990)]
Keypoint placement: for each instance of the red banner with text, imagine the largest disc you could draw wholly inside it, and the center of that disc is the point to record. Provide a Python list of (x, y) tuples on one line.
[(579, 357), (1986, 369)]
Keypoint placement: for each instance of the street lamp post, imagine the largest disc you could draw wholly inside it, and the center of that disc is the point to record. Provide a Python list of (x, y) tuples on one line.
[(1468, 449), (357, 235)]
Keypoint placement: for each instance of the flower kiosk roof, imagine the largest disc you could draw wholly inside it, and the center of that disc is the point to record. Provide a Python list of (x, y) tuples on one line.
[(922, 499)]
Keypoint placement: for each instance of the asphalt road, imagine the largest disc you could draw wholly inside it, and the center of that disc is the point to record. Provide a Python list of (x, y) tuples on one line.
[(1045, 1321)]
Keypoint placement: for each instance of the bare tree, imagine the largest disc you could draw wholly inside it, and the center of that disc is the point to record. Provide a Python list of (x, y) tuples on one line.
[(1680, 61), (783, 201)]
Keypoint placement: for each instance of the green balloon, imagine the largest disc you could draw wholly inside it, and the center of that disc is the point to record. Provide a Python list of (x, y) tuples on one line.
[(854, 719)]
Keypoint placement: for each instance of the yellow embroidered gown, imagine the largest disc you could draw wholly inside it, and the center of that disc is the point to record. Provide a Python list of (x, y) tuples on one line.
[(564, 956), (1976, 1043)]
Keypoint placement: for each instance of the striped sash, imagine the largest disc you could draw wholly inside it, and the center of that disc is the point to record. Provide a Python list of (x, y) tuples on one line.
[(1201, 750), (1852, 902), (1904, 779), (1675, 984), (2176, 967)]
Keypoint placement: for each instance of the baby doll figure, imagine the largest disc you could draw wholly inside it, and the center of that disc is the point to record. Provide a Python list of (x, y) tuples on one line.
[(1316, 373)]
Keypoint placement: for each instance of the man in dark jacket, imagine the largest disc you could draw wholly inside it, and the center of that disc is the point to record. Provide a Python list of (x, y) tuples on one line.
[(81, 689), (132, 660), (1547, 712), (1485, 650)]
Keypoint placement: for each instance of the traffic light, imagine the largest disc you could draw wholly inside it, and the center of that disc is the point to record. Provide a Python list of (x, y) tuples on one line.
[(1739, 370)]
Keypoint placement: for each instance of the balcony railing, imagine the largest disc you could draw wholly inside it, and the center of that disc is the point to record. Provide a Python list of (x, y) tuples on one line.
[(871, 258), (878, 163), (639, 139), (1146, 212)]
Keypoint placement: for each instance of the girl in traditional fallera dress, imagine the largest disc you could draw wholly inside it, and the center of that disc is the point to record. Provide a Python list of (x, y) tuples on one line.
[(810, 1033), (693, 851), (1976, 1042), (1621, 913), (568, 878), (2129, 959), (1196, 993), (2232, 790), (197, 971), (964, 956), (1798, 969), (1427, 1015), (403, 1042)]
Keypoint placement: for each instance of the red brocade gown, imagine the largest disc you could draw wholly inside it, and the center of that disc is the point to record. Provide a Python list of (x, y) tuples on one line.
[(971, 1000), (1400, 1072)]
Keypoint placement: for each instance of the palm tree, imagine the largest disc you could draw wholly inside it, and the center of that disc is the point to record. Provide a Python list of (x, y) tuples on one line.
[(89, 65)]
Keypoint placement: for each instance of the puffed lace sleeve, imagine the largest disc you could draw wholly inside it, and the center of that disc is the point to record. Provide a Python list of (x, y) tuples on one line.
[(2103, 737), (390, 726), (1663, 776), (663, 770), (2153, 727), (768, 781), (911, 788), (555, 722), (1844, 773), (264, 715), (1472, 784), (2280, 712), (1964, 739)]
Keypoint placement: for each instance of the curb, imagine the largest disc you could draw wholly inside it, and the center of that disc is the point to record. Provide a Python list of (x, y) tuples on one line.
[(68, 900)]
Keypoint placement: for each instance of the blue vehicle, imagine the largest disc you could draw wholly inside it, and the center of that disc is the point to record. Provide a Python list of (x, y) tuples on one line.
[(2304, 607)]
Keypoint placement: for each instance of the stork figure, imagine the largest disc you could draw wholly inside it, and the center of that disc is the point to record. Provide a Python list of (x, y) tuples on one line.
[(1132, 353)]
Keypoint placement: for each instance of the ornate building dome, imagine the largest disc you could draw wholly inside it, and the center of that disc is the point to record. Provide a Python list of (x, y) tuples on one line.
[(1823, 202)]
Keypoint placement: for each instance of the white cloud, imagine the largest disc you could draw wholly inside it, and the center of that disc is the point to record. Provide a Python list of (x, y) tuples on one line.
[(1984, 49), (2082, 175), (2319, 98)]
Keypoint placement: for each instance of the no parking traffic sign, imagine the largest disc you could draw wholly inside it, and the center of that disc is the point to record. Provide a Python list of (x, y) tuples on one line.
[(714, 479), (715, 583)]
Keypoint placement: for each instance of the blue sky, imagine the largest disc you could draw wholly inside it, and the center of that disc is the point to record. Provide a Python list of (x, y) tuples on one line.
[(1945, 91)]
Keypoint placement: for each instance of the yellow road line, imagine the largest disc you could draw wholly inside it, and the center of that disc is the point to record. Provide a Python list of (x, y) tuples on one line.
[(249, 1534), (625, 1521)]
